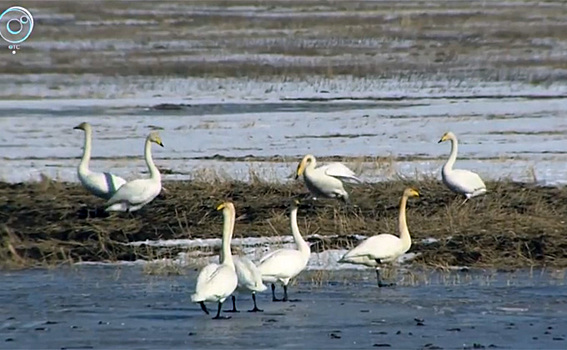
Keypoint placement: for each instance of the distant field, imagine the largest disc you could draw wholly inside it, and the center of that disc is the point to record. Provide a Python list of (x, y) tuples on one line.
[(493, 40)]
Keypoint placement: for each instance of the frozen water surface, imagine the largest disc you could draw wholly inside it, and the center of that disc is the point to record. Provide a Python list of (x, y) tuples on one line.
[(118, 307)]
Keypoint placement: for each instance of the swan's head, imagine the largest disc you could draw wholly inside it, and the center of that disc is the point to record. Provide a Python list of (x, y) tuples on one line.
[(83, 126), (307, 160), (410, 192), (295, 204), (226, 206), (154, 137), (447, 136)]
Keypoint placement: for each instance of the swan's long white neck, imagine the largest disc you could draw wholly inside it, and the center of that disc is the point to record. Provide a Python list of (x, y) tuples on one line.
[(311, 166), (84, 164), (403, 225), (227, 230), (453, 157), (302, 246), (154, 172)]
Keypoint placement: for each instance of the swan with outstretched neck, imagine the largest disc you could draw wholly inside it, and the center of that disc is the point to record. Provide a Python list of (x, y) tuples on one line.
[(383, 248), (135, 194), (216, 282), (325, 181), (282, 265), (102, 185), (249, 278), (460, 181)]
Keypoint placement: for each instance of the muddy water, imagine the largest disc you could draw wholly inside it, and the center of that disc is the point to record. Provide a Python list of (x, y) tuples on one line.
[(109, 307)]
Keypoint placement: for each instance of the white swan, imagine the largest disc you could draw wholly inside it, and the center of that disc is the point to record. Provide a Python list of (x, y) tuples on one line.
[(327, 180), (135, 194), (249, 281), (383, 248), (282, 265), (217, 281), (102, 185), (458, 180)]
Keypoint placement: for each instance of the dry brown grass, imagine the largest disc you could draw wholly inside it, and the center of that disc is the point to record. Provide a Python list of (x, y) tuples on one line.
[(315, 36), (515, 225)]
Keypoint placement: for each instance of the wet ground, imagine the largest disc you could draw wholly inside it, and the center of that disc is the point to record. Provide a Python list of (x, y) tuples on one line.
[(118, 307)]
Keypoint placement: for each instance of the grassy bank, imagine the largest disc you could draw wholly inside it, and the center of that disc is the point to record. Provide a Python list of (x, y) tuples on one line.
[(515, 225)]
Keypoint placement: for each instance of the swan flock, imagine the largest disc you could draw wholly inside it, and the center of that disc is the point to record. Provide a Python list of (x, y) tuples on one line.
[(218, 281)]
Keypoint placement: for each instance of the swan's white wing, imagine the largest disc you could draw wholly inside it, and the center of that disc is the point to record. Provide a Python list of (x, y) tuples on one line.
[(283, 263), (268, 256), (465, 181), (136, 192), (215, 284), (249, 276), (205, 275), (341, 171), (103, 185), (382, 247)]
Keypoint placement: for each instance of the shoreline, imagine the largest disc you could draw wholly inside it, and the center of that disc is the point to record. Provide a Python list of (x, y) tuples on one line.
[(513, 226)]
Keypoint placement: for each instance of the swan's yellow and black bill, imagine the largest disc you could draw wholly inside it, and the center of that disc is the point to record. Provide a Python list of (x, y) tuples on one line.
[(300, 169), (414, 193), (80, 126), (443, 138), (221, 206)]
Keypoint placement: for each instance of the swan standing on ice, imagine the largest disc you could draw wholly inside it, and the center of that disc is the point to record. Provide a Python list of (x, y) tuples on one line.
[(135, 194), (458, 180), (217, 281), (102, 185), (282, 265), (327, 180), (383, 248), (249, 278), (249, 281)]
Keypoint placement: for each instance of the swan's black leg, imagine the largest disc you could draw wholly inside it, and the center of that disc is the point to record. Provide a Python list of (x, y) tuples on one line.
[(286, 298), (380, 283), (233, 305), (285, 293), (204, 307), (274, 293), (218, 316), (255, 309)]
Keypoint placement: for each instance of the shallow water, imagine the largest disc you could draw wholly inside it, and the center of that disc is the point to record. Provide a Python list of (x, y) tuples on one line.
[(110, 307)]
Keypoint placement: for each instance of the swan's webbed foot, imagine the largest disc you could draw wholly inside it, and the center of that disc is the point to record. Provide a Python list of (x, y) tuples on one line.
[(382, 284), (233, 305), (218, 316), (379, 280), (285, 298), (255, 309), (204, 307)]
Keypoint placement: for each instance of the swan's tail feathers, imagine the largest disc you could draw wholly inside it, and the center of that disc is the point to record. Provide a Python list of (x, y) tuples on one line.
[(196, 298), (479, 192), (356, 179), (120, 206), (260, 287)]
